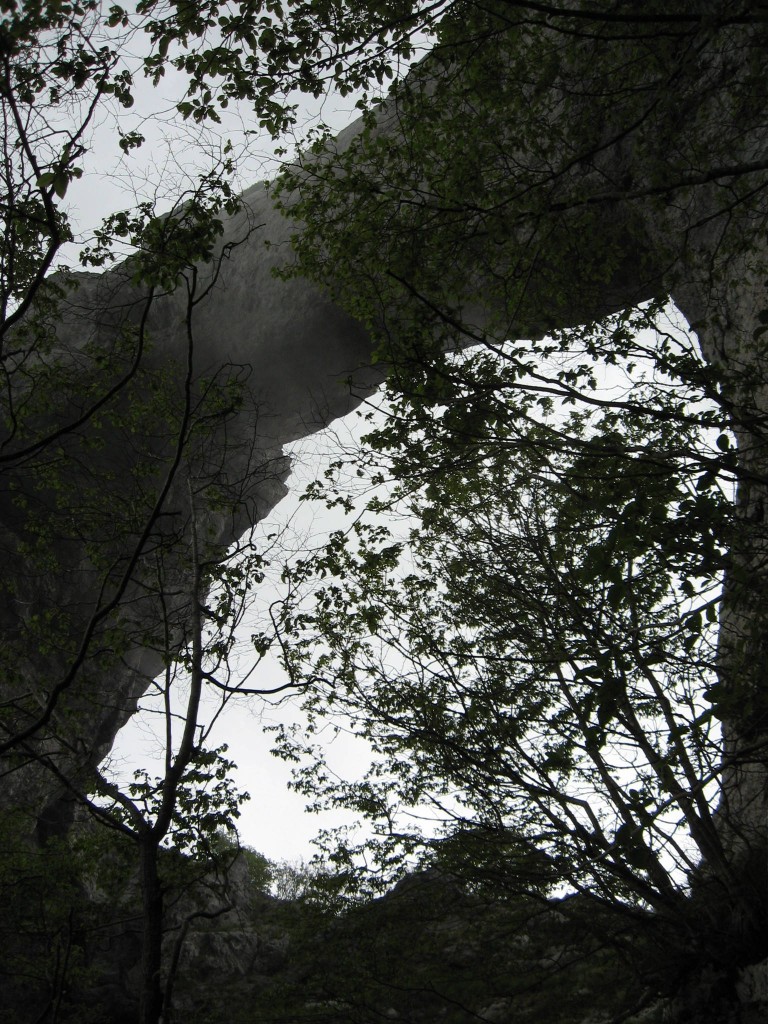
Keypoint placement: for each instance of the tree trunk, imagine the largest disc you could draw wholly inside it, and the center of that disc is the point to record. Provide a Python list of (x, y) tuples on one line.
[(151, 1003)]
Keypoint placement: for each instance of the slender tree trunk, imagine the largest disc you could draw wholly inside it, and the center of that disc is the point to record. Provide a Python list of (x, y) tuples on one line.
[(151, 1004)]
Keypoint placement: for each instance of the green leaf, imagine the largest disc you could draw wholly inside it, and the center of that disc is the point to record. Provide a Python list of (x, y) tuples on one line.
[(61, 184)]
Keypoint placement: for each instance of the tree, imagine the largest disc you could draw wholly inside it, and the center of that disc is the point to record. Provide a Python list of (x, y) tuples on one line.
[(117, 470), (195, 798), (191, 631), (555, 680), (534, 662), (123, 469), (171, 821)]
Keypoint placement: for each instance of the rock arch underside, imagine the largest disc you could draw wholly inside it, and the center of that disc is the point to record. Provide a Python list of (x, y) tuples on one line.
[(658, 190)]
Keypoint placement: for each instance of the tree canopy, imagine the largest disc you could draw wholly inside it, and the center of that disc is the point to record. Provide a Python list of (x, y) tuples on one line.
[(547, 665)]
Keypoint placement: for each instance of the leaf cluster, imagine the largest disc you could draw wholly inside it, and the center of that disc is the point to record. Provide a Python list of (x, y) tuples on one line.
[(533, 659)]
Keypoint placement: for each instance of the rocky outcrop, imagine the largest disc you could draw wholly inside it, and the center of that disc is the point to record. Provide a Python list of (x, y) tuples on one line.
[(428, 950), (431, 949)]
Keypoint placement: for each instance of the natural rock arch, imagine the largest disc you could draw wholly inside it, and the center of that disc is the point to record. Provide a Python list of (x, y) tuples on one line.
[(301, 351), (307, 362)]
